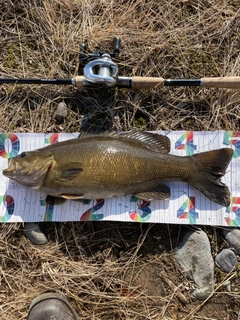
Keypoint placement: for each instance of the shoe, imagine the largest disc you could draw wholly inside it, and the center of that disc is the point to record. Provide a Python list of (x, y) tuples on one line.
[(33, 232), (51, 306)]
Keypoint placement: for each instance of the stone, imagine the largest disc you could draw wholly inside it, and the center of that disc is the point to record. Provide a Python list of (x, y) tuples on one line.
[(232, 237), (194, 256), (61, 113), (33, 232), (226, 260), (227, 286)]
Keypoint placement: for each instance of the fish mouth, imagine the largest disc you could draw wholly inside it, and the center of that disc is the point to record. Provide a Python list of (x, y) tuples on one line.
[(8, 173), (11, 168)]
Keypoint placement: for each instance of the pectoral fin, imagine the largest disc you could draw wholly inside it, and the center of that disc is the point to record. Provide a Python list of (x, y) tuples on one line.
[(72, 196), (70, 171), (51, 200), (159, 193)]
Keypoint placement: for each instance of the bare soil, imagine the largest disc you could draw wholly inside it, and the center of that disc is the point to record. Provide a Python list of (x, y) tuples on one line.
[(113, 270)]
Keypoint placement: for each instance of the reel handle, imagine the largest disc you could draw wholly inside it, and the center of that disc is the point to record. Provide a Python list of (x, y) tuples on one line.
[(116, 46), (83, 51)]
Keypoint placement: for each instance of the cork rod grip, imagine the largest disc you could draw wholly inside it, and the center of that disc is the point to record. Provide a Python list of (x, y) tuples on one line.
[(222, 82), (78, 81), (147, 82)]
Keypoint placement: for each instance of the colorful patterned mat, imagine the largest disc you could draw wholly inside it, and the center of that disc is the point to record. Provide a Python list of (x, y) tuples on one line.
[(186, 205)]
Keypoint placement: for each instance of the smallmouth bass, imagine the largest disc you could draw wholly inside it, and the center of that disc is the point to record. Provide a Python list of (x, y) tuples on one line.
[(106, 165)]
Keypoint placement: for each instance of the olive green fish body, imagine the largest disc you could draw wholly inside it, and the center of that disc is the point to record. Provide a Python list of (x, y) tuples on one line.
[(112, 167), (102, 166)]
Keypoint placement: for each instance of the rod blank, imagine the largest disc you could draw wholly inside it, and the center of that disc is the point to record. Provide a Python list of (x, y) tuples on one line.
[(35, 81)]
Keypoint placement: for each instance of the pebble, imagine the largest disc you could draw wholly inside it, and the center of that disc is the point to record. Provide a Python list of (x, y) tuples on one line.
[(61, 113), (232, 237), (227, 286), (34, 233), (226, 260), (194, 256)]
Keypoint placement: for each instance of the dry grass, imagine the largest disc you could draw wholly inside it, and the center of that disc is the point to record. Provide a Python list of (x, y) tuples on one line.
[(103, 277), (187, 39)]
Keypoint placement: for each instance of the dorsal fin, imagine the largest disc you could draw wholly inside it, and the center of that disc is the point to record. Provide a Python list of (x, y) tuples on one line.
[(89, 134), (155, 141), (152, 141)]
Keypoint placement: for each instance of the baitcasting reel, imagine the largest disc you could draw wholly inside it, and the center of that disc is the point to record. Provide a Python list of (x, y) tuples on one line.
[(99, 68)]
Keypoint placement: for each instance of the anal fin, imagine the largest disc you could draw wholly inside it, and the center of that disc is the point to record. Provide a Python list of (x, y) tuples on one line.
[(161, 192)]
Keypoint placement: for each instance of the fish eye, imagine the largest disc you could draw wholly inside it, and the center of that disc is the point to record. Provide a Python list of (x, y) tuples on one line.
[(23, 154)]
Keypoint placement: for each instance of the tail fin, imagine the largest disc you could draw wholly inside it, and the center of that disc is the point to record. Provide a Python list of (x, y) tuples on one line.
[(211, 166)]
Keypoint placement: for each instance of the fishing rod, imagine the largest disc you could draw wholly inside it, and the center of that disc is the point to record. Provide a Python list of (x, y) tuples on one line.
[(101, 72)]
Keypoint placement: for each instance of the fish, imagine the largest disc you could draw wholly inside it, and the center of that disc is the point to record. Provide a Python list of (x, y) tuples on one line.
[(99, 166)]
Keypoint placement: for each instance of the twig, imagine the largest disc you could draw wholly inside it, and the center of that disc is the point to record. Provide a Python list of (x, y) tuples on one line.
[(172, 286)]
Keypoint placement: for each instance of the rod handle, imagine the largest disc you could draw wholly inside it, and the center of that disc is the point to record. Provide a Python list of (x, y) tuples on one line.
[(221, 82), (146, 82)]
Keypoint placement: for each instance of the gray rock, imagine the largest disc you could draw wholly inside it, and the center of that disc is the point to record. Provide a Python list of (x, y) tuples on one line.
[(226, 260), (232, 237), (34, 233), (61, 113), (227, 286), (194, 256)]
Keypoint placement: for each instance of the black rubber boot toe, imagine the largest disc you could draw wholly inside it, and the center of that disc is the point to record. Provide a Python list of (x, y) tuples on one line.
[(51, 306)]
